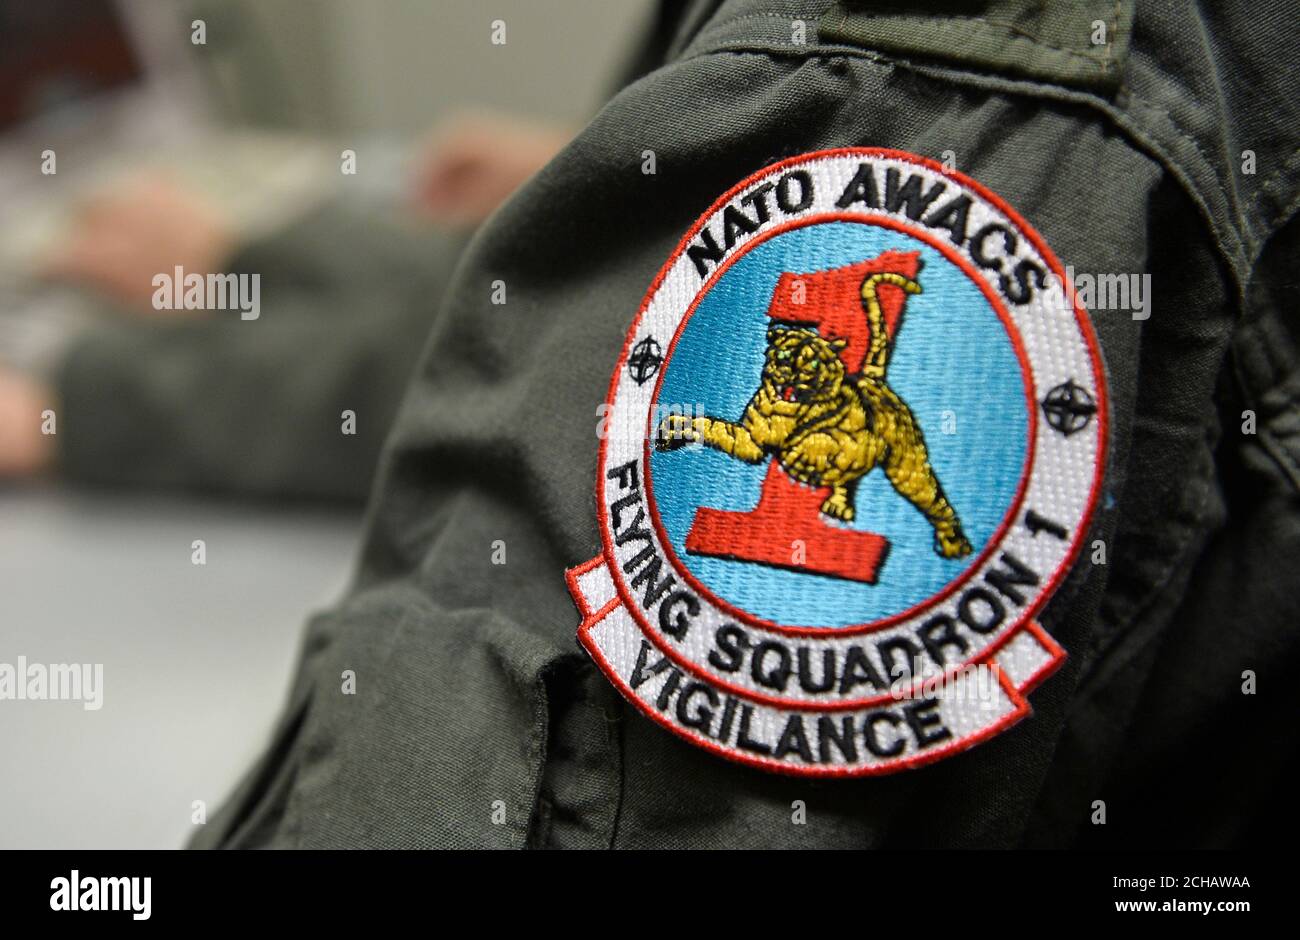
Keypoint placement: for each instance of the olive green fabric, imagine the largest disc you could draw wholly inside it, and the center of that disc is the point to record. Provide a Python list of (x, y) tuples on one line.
[(1083, 42), (477, 722)]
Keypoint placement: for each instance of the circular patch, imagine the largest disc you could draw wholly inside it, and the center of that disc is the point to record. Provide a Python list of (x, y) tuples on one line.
[(851, 446)]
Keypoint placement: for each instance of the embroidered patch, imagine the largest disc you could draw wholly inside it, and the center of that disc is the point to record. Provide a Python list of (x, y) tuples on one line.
[(851, 446)]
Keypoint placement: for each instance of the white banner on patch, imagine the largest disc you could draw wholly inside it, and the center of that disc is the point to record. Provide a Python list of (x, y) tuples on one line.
[(915, 726)]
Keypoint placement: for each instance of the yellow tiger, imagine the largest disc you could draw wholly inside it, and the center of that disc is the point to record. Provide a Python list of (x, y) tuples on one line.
[(828, 428)]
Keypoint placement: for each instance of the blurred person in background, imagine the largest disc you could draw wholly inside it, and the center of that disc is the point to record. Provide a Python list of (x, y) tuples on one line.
[(195, 399)]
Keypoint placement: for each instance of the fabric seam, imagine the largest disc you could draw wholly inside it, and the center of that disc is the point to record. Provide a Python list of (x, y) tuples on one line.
[(1011, 29)]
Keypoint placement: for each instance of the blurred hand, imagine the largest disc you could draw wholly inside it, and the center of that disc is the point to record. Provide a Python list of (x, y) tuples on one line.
[(472, 163), (24, 450), (124, 238)]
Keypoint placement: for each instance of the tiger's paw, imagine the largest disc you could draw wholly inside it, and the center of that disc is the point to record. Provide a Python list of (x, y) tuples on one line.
[(676, 431), (837, 507), (951, 544)]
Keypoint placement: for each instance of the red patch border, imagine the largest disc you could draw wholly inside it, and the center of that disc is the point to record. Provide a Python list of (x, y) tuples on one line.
[(1027, 616)]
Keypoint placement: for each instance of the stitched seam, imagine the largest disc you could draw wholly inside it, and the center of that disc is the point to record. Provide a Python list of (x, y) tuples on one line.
[(839, 18), (756, 16), (1182, 134), (1249, 240), (723, 25), (1114, 32), (1013, 30)]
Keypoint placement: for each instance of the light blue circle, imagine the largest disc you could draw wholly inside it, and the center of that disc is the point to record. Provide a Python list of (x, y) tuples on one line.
[(951, 354)]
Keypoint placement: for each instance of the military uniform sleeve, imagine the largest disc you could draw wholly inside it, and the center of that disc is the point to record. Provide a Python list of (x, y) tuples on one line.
[(485, 724)]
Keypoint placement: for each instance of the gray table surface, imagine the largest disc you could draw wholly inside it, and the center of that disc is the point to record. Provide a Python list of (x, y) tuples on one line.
[(196, 659)]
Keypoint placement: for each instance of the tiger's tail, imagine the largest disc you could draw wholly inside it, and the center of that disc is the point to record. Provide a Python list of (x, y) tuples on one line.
[(878, 355)]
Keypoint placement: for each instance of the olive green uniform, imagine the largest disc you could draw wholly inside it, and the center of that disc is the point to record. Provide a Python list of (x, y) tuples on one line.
[(477, 722)]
